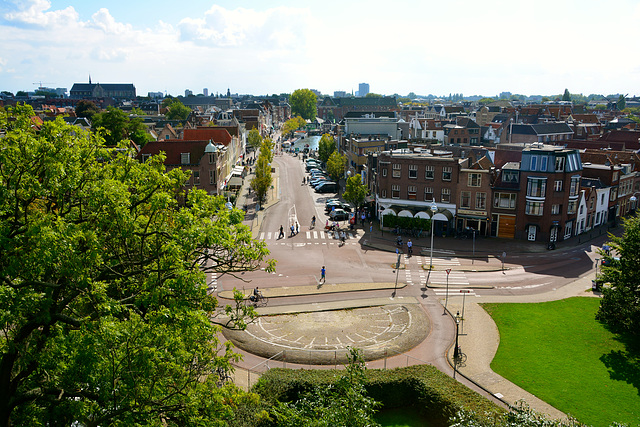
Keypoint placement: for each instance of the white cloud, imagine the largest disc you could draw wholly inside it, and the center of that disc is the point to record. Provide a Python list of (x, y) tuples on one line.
[(103, 20), (34, 12)]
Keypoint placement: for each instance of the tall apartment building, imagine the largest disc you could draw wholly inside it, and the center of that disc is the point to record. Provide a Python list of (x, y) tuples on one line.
[(363, 89)]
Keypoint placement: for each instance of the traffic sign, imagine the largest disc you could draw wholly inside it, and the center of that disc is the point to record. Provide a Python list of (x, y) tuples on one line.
[(448, 270), (465, 291)]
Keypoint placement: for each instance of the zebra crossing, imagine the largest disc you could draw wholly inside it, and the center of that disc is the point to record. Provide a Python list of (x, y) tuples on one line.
[(438, 276), (317, 237)]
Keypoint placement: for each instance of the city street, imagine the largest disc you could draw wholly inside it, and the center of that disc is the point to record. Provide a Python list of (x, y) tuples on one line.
[(345, 312)]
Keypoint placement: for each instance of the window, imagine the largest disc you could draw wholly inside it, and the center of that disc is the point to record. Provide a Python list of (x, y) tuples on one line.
[(411, 192), (395, 191), (446, 173), (428, 173), (534, 208), (567, 229), (475, 179), (211, 158), (211, 177), (560, 164), (446, 195), (481, 200), (384, 172), (510, 176), (196, 177), (536, 187), (575, 186), (145, 157), (543, 163), (581, 210), (557, 185), (555, 209), (397, 170), (465, 199), (428, 193), (571, 207), (384, 194), (413, 171), (601, 199), (504, 200), (534, 163), (185, 158), (615, 177)]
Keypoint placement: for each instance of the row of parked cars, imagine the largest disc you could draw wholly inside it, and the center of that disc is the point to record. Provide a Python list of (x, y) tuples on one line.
[(319, 179)]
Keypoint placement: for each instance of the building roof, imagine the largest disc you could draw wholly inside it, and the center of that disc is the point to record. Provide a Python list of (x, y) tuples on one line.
[(105, 86), (541, 129), (217, 134), (173, 148)]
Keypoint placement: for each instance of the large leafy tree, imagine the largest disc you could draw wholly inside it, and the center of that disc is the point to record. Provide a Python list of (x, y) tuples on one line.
[(355, 191), (105, 315), (86, 108), (254, 139), (116, 126), (303, 103), (620, 303), (336, 165), (566, 96), (326, 146), (177, 110), (261, 183)]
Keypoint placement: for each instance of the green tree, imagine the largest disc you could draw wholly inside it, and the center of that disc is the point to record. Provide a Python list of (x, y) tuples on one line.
[(46, 93), (105, 316), (254, 139), (336, 165), (326, 146), (177, 110), (373, 95), (342, 403), (355, 191), (114, 124), (86, 108), (485, 101), (293, 124), (303, 103), (261, 182), (566, 96), (620, 303), (21, 93), (7, 93)]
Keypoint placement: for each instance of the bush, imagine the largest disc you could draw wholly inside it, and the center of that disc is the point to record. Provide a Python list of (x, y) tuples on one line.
[(391, 221), (436, 395)]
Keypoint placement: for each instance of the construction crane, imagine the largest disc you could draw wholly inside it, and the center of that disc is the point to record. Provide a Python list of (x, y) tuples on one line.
[(40, 83)]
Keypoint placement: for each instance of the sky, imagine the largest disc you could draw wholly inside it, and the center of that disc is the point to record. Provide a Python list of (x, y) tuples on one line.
[(257, 47)]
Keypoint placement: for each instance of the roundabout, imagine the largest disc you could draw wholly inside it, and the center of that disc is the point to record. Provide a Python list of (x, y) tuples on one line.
[(322, 337)]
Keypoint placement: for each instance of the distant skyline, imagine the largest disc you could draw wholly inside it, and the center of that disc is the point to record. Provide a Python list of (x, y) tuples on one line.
[(257, 47)]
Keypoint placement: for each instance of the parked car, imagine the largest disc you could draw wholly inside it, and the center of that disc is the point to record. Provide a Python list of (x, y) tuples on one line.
[(312, 166), (609, 262), (314, 170), (339, 215), (317, 181), (327, 187), (337, 205)]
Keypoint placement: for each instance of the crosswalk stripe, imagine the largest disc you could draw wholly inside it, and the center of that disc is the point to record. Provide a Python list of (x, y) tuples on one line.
[(308, 234)]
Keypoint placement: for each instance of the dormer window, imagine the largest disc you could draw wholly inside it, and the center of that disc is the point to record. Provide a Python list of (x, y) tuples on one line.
[(185, 158)]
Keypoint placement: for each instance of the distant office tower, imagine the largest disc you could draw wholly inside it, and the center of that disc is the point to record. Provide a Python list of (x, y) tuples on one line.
[(363, 89), (339, 94), (188, 92), (205, 91)]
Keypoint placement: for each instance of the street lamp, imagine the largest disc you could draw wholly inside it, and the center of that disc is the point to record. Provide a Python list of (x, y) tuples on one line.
[(594, 286), (456, 351), (434, 209)]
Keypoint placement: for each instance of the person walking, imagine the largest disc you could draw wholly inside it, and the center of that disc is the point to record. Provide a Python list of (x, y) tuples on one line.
[(409, 247), (297, 227), (281, 235), (323, 273), (292, 230)]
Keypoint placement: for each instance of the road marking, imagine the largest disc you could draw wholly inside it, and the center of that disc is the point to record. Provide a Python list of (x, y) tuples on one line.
[(308, 235)]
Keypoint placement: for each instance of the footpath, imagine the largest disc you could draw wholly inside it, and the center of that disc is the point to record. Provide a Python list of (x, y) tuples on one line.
[(480, 337)]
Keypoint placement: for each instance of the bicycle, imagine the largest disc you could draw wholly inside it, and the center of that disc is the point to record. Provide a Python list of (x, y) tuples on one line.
[(259, 300)]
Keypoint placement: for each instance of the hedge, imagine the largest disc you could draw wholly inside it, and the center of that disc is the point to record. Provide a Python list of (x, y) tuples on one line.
[(436, 395), (391, 221)]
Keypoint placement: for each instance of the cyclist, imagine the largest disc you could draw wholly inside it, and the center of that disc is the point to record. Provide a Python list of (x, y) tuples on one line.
[(256, 295)]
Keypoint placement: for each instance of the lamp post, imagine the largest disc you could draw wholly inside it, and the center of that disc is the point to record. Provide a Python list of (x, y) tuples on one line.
[(594, 287), (434, 209), (456, 351), (473, 257)]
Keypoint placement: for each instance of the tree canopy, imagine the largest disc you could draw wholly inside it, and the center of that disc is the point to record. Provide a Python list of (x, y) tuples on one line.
[(336, 165), (176, 110), (326, 146), (117, 126), (293, 124), (303, 103), (620, 303), (254, 139), (261, 182), (566, 96), (355, 191), (86, 108), (106, 318)]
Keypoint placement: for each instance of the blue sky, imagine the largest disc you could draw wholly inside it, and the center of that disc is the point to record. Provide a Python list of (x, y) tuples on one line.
[(438, 47)]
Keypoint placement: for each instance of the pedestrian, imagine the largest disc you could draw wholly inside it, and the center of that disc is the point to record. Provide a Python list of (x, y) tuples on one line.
[(343, 237), (281, 235), (323, 273), (363, 217), (292, 230), (297, 227), (409, 247), (370, 227)]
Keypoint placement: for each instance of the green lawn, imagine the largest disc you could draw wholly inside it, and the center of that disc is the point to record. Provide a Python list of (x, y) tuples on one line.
[(560, 353)]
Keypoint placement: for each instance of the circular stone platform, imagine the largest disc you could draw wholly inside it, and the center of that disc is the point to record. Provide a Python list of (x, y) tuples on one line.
[(319, 338)]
